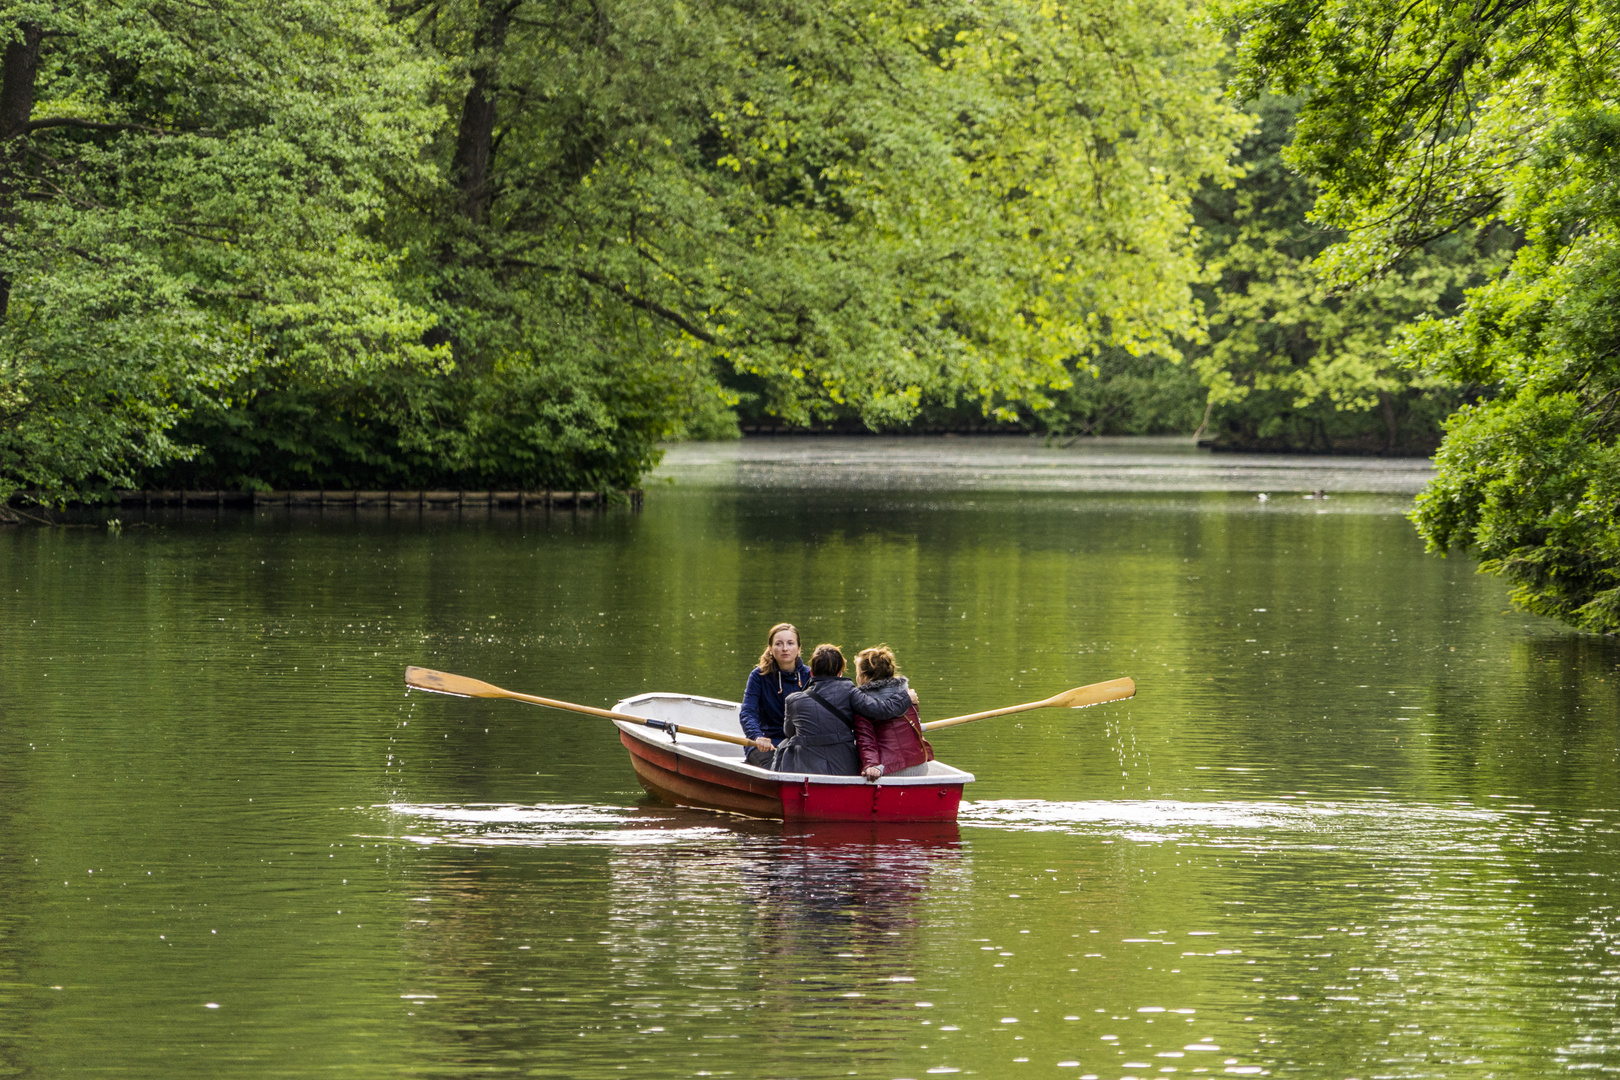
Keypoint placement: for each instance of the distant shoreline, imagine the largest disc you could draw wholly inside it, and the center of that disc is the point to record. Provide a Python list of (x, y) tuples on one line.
[(757, 432)]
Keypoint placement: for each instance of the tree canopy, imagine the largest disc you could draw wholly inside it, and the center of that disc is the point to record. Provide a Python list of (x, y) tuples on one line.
[(184, 191), (1425, 120), (1294, 362), (519, 241)]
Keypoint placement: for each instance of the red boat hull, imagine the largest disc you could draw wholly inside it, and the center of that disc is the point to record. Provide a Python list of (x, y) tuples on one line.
[(686, 781)]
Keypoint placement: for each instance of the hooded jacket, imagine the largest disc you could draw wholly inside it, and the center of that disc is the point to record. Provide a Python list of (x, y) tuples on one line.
[(762, 702), (888, 731)]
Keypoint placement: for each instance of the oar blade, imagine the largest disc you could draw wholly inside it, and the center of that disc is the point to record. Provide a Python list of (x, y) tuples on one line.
[(442, 682), (1094, 694)]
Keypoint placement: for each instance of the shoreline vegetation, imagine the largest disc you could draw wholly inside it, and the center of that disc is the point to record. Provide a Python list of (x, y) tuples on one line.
[(517, 244)]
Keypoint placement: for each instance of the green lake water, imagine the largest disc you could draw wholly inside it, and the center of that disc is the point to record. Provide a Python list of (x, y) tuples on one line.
[(1359, 821)]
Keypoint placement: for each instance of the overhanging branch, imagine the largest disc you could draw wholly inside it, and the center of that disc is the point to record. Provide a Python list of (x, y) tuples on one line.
[(653, 307)]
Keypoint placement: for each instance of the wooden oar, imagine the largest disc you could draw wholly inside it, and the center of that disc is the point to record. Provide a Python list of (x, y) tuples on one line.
[(442, 682), (1078, 698)]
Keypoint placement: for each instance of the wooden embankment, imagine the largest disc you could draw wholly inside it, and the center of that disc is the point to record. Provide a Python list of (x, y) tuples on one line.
[(393, 500)]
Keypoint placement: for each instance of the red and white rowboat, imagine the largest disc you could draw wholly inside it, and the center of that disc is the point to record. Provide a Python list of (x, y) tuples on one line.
[(688, 750), (689, 770)]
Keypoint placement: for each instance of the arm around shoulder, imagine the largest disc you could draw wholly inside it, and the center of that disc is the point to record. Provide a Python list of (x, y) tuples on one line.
[(883, 700)]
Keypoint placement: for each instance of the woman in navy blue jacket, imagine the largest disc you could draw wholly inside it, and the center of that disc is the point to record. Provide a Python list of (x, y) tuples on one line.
[(780, 672)]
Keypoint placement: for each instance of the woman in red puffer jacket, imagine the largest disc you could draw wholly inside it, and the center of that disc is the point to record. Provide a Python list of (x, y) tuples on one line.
[(888, 731)]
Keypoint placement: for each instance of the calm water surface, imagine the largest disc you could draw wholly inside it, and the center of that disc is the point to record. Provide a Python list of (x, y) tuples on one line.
[(1360, 821)]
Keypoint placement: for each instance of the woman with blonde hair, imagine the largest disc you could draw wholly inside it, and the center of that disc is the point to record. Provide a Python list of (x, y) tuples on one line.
[(888, 731), (780, 672)]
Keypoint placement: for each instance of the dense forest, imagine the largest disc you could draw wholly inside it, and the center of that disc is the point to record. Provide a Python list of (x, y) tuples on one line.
[(521, 242), (517, 242)]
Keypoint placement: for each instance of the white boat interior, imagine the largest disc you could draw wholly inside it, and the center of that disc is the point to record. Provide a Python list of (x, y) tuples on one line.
[(714, 714)]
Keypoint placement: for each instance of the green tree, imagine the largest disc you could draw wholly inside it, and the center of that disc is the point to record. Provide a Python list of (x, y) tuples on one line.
[(855, 205), (580, 227), (1530, 478), (1425, 119), (1294, 362), (185, 191), (1290, 361)]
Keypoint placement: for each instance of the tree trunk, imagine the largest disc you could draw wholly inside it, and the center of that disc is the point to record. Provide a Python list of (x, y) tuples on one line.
[(475, 140), (17, 74), (1388, 402)]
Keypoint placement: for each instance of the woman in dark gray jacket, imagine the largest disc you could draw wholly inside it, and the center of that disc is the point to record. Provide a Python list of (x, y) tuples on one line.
[(819, 723)]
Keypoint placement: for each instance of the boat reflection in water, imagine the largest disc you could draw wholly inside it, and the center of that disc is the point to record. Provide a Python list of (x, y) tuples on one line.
[(791, 917), (866, 875), (609, 933)]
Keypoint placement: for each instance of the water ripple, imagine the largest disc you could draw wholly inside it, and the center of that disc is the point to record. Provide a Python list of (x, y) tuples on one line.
[(1351, 825), (505, 825)]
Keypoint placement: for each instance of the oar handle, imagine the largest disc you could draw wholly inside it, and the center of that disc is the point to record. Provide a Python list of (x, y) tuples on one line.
[(439, 682), (609, 714)]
